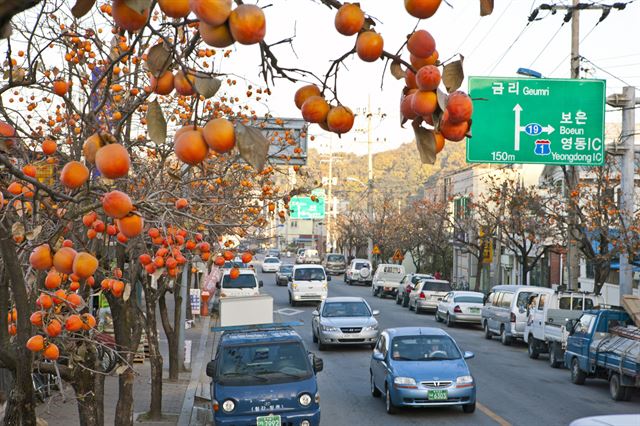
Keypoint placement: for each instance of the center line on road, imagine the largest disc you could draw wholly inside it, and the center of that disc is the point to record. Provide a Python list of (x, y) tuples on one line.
[(494, 416)]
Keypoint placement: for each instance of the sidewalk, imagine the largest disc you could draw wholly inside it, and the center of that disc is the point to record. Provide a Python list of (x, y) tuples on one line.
[(179, 397)]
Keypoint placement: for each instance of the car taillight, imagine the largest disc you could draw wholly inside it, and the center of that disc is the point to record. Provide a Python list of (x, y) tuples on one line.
[(513, 317), (457, 310), (422, 296)]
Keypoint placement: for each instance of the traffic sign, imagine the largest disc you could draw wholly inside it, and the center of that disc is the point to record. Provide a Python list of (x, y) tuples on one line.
[(540, 121), (376, 250), (305, 208)]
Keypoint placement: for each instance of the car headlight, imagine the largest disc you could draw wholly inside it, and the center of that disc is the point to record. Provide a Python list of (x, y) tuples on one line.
[(464, 380), (370, 327), (406, 381), (228, 406), (305, 399), (324, 286), (329, 328), (294, 286)]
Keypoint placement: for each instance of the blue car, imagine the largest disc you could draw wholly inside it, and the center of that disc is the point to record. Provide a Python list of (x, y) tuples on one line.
[(421, 367)]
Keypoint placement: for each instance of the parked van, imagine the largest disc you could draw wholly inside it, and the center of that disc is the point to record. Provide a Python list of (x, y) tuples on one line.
[(308, 283), (505, 311)]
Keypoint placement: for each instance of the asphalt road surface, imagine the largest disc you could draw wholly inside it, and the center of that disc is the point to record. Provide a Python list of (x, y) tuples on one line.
[(512, 389)]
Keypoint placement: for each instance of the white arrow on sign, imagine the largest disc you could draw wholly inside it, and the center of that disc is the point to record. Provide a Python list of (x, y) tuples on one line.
[(516, 139), (548, 129)]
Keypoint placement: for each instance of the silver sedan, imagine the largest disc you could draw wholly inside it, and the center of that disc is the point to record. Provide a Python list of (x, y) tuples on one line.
[(344, 321)]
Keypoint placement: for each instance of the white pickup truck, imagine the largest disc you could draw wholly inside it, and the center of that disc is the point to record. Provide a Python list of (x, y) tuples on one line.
[(548, 314)]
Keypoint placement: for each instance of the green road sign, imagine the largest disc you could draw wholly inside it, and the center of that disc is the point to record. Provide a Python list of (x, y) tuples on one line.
[(531, 120), (304, 208)]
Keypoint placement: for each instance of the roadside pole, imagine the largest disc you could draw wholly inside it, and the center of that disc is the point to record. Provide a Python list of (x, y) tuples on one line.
[(627, 101), (183, 312), (369, 181)]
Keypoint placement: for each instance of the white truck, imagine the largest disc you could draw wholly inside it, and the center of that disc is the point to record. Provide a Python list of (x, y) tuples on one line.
[(387, 279), (548, 315)]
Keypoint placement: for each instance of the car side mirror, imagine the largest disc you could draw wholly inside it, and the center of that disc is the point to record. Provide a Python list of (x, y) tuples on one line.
[(328, 277), (290, 278), (468, 355), (377, 355), (218, 285), (318, 364), (315, 313), (376, 312), (260, 283), (211, 368)]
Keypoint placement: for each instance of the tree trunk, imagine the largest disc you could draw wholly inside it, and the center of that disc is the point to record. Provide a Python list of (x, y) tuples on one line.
[(525, 269), (21, 407), (84, 386), (124, 408), (172, 337), (479, 270), (99, 389), (155, 359)]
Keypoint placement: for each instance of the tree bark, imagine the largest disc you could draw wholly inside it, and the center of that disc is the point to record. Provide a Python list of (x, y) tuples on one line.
[(84, 386), (155, 357), (172, 337), (21, 407)]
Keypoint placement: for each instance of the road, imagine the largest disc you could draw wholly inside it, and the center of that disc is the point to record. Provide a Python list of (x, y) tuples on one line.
[(512, 389)]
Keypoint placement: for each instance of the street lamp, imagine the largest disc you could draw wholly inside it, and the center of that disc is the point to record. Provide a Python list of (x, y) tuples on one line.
[(369, 187), (529, 73), (352, 179)]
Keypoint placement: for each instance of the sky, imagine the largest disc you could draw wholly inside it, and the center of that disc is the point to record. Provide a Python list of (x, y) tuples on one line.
[(495, 45)]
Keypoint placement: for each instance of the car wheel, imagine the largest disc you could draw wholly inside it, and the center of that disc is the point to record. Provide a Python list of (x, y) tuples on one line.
[(372, 346), (487, 333), (375, 392), (410, 307), (617, 391), (415, 308), (532, 348), (504, 339), (321, 346), (315, 338), (438, 319), (398, 300), (391, 409), (555, 355), (469, 408), (577, 375), (449, 321)]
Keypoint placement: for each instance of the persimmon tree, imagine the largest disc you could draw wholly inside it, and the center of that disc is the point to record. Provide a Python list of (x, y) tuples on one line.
[(125, 155)]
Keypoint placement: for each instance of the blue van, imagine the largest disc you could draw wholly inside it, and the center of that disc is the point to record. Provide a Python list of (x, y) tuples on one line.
[(264, 376)]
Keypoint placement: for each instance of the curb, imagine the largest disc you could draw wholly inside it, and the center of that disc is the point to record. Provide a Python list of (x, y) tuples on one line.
[(196, 369)]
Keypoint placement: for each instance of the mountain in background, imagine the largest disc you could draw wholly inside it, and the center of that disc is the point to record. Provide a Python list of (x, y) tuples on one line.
[(398, 174)]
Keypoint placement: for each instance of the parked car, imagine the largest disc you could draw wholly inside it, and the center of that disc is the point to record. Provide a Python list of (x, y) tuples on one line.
[(427, 293), (387, 279), (604, 345), (335, 263), (308, 283), (358, 272), (505, 311), (421, 367), (344, 321), (546, 329), (406, 286), (300, 255), (270, 264), (283, 274), (460, 306)]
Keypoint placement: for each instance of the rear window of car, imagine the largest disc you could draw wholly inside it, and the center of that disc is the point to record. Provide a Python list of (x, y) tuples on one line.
[(286, 269), (468, 299), (243, 281), (506, 299), (417, 278), (311, 253), (565, 303), (271, 260), (435, 286), (335, 258), (361, 265)]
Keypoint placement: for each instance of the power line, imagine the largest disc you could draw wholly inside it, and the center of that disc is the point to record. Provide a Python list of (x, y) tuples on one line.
[(607, 72), (510, 47), (491, 29), (547, 45)]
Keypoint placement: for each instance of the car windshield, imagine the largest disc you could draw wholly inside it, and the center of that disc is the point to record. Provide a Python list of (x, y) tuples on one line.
[(271, 260), (436, 286), (335, 258), (250, 365), (360, 265), (469, 299), (243, 281), (309, 274), (345, 309), (286, 269), (423, 348)]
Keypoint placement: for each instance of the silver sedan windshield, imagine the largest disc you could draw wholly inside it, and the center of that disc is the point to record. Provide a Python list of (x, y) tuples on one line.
[(346, 309)]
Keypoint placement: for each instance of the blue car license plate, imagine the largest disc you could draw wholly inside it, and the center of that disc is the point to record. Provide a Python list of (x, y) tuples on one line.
[(269, 421), (437, 395)]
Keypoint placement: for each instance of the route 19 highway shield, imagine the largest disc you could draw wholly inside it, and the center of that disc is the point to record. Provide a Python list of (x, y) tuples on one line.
[(537, 121)]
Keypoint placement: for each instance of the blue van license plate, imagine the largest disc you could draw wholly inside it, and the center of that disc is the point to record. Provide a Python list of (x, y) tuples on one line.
[(269, 421)]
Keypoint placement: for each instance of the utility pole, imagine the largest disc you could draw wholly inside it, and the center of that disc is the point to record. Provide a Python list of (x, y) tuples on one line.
[(328, 245), (627, 101), (369, 181)]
